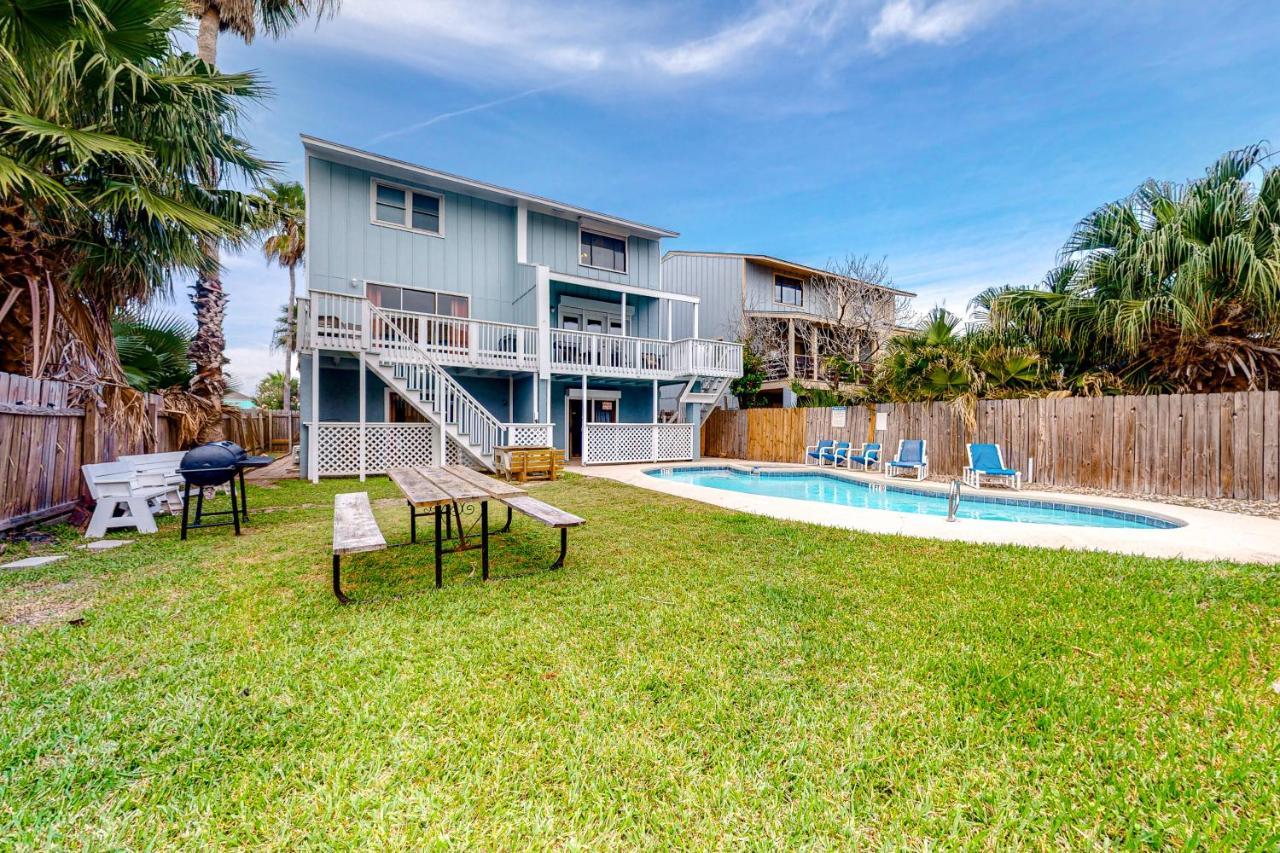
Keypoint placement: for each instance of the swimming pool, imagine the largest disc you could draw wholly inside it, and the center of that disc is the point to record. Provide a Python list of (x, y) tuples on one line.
[(828, 488)]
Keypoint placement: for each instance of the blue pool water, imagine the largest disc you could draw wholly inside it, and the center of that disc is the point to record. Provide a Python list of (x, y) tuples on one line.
[(834, 489)]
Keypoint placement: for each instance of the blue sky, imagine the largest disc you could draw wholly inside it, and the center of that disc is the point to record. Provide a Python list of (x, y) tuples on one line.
[(961, 139)]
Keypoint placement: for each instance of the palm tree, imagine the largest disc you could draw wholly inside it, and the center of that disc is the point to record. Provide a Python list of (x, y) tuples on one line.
[(242, 17), (1175, 288), (105, 135), (153, 350), (283, 222)]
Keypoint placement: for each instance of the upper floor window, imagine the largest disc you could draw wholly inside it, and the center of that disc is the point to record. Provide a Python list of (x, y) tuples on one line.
[(603, 251), (402, 207), (418, 301), (788, 290)]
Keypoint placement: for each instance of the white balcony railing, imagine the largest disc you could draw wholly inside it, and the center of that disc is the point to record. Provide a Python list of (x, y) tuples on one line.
[(614, 443), (612, 355), (338, 322)]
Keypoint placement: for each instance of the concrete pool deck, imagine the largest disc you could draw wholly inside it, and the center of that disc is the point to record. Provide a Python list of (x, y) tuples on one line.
[(1207, 534)]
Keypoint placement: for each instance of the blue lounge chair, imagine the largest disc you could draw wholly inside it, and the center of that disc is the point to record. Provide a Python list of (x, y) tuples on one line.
[(986, 460), (837, 455), (868, 458), (912, 458), (815, 452)]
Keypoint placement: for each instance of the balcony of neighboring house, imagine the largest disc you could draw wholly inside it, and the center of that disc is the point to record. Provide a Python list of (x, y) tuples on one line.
[(801, 352), (590, 333)]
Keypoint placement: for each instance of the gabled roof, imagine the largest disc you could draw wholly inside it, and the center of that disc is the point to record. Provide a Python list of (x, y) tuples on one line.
[(392, 168), (778, 263)]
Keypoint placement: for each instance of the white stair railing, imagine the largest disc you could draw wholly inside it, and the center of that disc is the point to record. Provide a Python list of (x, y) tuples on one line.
[(455, 406)]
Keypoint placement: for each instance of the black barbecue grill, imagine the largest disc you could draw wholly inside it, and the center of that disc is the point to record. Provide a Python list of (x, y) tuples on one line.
[(209, 466)]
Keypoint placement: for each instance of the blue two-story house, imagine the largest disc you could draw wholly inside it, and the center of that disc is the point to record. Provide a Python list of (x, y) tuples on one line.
[(445, 318)]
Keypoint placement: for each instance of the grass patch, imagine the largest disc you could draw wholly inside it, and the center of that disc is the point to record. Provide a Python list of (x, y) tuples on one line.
[(693, 677)]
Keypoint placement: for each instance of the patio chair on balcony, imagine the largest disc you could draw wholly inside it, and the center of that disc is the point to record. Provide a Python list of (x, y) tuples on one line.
[(814, 452), (912, 458)]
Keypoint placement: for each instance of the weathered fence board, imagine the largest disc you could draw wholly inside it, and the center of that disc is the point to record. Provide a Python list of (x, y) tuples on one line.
[(1194, 445)]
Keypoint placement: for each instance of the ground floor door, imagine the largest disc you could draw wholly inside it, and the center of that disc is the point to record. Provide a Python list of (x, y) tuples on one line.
[(599, 412)]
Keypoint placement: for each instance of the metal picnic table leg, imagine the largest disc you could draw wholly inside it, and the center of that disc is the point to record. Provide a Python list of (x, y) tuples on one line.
[(564, 546), (413, 522), (337, 581), (484, 540), (439, 557)]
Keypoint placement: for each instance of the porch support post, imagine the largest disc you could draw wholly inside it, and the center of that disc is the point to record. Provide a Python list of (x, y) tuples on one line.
[(813, 350), (364, 432), (695, 320), (670, 327), (655, 401), (314, 444), (791, 348), (536, 391), (511, 398), (585, 410), (624, 315)]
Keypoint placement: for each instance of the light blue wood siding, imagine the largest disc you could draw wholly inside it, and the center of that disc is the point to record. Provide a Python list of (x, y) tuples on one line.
[(553, 242), (717, 280), (476, 255)]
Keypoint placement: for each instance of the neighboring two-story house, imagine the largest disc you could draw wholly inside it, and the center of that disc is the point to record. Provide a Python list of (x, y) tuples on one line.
[(798, 315), (445, 317)]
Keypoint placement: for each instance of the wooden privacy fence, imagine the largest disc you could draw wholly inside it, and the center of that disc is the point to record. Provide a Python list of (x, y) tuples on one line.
[(1193, 445), (44, 440)]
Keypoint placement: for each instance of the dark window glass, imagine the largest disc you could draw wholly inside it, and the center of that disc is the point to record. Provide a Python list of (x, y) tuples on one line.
[(390, 205), (426, 213), (787, 290), (601, 250), (385, 297), (452, 306), (422, 301)]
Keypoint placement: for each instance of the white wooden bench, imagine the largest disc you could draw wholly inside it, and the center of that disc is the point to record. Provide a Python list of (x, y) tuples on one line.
[(355, 531), (160, 469), (117, 487)]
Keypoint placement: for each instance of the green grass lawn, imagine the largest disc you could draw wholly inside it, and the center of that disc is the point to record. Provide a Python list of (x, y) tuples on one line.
[(693, 677)]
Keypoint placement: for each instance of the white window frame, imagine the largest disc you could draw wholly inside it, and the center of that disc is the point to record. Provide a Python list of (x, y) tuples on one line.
[(777, 301), (374, 183), (604, 232)]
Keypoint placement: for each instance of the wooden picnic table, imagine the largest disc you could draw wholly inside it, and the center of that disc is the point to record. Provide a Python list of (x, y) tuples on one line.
[(442, 491)]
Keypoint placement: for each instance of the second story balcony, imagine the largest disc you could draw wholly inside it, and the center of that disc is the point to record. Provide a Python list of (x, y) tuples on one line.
[(351, 324)]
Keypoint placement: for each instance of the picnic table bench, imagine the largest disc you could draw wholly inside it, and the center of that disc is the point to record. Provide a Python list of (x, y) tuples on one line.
[(355, 531), (443, 492)]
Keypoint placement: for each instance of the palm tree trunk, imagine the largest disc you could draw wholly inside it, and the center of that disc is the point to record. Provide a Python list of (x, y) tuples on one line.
[(288, 350), (210, 301)]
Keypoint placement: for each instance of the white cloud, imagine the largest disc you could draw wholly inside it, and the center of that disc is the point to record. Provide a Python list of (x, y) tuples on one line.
[(933, 23), (543, 42), (247, 365)]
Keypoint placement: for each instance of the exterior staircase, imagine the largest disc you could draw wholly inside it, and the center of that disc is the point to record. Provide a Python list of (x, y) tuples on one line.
[(707, 391), (405, 366)]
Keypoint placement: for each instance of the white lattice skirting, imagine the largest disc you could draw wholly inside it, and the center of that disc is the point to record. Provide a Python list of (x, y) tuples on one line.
[(614, 443), (389, 446), (529, 435)]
